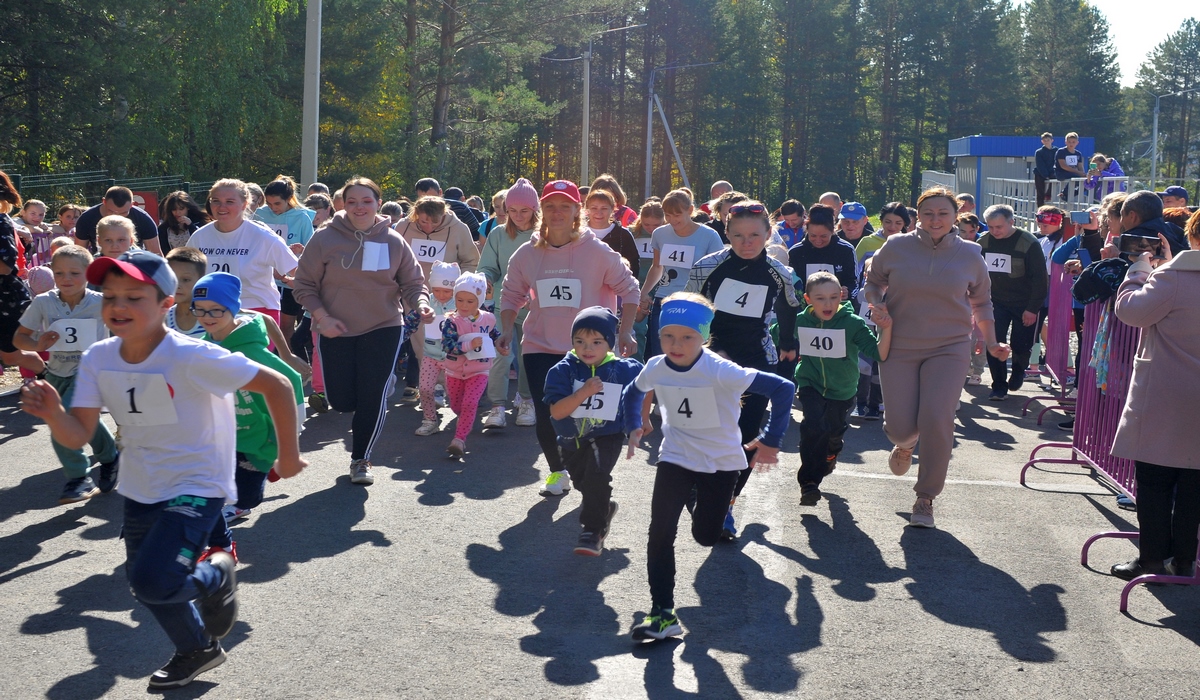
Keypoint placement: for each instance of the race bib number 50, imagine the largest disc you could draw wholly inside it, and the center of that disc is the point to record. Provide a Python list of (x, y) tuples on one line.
[(559, 291), (688, 407), (137, 398)]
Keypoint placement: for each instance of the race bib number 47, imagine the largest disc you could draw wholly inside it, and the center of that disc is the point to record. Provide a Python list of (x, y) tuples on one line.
[(559, 291), (998, 262), (688, 407), (822, 342), (137, 398)]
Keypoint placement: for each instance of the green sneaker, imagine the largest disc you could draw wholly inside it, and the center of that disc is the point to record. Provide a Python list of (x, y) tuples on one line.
[(658, 625), (557, 484)]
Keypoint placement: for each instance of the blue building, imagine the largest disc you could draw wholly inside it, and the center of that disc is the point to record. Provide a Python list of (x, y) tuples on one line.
[(977, 158)]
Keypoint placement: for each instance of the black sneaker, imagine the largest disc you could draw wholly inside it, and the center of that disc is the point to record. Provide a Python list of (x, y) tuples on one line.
[(589, 545), (108, 475), (612, 511), (219, 609), (78, 490), (659, 624), (1016, 381), (873, 414), (183, 668), (810, 494), (1067, 425), (997, 395)]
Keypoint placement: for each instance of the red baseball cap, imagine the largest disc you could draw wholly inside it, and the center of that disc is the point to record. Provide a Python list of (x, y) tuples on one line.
[(565, 188), (141, 265)]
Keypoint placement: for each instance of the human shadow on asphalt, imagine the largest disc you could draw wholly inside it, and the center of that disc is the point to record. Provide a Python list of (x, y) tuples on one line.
[(968, 428), (535, 571), (121, 650), (953, 585), (24, 545), (15, 423), (845, 554), (317, 526)]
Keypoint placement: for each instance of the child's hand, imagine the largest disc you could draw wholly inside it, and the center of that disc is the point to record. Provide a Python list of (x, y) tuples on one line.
[(477, 345), (879, 313), (592, 387), (296, 248), (634, 439), (40, 400), (764, 457), (287, 468), (300, 366), (885, 322), (46, 340)]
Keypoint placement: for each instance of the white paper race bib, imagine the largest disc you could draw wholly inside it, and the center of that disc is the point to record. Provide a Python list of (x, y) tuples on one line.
[(280, 230), (688, 407), (645, 247), (1072, 160), (485, 352), (375, 257), (741, 299), (677, 256), (998, 262), (74, 334), (433, 331), (602, 406), (559, 291), (137, 398), (429, 251), (822, 342), (810, 270)]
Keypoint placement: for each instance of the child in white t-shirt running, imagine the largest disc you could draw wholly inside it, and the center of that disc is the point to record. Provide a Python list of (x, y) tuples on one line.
[(699, 397), (66, 321), (170, 395)]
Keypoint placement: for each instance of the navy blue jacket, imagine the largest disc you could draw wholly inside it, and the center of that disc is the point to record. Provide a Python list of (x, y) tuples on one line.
[(560, 383)]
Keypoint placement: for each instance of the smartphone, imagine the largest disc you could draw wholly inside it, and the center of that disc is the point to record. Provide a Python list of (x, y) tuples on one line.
[(1081, 217), (1133, 246)]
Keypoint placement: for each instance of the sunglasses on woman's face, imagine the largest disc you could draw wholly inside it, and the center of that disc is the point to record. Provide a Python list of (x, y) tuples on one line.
[(1049, 218), (747, 209)]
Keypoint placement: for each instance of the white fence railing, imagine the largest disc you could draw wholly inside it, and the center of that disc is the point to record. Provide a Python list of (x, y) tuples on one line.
[(936, 178), (1070, 195)]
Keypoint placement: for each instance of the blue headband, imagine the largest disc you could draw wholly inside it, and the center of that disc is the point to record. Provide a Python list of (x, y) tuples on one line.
[(682, 312)]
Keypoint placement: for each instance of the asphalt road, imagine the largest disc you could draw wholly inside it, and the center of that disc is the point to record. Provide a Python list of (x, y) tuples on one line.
[(448, 579)]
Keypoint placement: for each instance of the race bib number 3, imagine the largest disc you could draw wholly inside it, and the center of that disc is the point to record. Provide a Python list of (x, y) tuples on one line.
[(559, 291), (429, 251), (822, 342), (677, 256), (998, 262), (741, 299), (602, 406), (688, 408), (137, 398), (645, 248), (74, 335)]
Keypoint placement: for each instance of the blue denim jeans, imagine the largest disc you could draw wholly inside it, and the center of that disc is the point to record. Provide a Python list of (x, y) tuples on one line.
[(162, 542)]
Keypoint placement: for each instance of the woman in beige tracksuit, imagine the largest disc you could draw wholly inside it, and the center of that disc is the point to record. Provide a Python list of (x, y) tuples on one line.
[(931, 282)]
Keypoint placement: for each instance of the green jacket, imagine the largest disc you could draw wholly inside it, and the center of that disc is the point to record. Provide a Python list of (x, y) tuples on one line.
[(835, 377), (255, 432)]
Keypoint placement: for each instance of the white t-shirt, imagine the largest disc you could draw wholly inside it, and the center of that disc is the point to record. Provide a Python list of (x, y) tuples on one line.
[(700, 410), (252, 252), (175, 411), (77, 328)]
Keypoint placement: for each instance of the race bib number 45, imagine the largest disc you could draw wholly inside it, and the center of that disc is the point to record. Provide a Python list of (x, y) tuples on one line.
[(137, 398), (998, 262), (822, 342), (74, 334), (741, 299), (559, 291), (688, 407), (601, 406)]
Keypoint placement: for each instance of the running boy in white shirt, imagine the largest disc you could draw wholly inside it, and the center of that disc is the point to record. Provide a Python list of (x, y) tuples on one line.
[(66, 321), (171, 397), (699, 396)]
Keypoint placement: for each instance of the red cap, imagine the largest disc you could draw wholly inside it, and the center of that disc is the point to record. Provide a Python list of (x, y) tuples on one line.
[(566, 188)]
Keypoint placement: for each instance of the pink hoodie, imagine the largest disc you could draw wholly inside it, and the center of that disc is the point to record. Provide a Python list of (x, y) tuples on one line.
[(557, 283)]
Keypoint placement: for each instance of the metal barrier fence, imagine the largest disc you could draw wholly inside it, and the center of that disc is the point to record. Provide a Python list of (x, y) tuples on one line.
[(1059, 322), (1021, 195), (89, 186)]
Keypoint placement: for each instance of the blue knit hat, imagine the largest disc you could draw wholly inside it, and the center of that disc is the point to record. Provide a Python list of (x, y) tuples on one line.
[(599, 319), (221, 287)]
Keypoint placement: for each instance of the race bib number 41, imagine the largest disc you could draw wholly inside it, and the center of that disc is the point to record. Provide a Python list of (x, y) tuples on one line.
[(998, 262), (74, 334), (559, 291), (741, 299), (688, 407), (677, 256), (822, 342), (137, 398), (602, 406)]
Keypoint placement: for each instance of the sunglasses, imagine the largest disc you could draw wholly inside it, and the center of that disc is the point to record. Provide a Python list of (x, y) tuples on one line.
[(1049, 218), (747, 209)]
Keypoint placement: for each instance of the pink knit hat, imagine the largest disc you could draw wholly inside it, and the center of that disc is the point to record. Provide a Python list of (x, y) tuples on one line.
[(522, 194)]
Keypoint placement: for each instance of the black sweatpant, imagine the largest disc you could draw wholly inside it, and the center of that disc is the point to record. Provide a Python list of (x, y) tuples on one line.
[(1021, 341), (821, 432), (358, 376), (673, 486), (537, 366), (754, 408), (590, 466), (1168, 510)]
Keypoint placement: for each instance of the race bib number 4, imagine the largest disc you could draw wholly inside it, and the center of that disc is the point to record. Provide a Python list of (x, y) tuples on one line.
[(677, 256), (688, 407), (559, 291), (998, 262), (741, 299), (74, 335), (601, 406), (645, 248), (822, 342), (429, 251), (137, 398)]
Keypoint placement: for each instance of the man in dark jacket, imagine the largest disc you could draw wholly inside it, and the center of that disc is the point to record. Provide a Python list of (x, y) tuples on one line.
[(1017, 268), (428, 187), (1141, 213)]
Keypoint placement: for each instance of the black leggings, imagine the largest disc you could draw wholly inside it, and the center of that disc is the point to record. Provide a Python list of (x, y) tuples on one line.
[(537, 366), (1168, 510), (672, 489), (754, 407), (358, 376), (590, 466)]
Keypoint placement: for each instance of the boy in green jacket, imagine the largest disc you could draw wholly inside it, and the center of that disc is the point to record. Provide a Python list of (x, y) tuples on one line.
[(831, 337), (216, 302)]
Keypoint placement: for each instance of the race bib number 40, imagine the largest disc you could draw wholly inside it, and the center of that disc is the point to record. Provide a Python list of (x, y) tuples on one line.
[(601, 406), (677, 256), (741, 299), (137, 398), (429, 251), (559, 291), (822, 342), (998, 262), (74, 335), (688, 407)]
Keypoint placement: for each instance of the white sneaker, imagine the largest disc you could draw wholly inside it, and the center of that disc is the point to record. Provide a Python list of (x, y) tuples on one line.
[(231, 512), (525, 414), (495, 418), (900, 461), (360, 472), (557, 484), (974, 380), (429, 427)]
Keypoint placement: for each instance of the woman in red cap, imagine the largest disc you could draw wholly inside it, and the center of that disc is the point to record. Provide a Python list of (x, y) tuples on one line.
[(562, 269)]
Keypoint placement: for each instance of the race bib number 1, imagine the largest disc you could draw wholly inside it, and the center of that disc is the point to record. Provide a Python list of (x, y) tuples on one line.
[(137, 398), (741, 299), (429, 251), (74, 334), (688, 407), (677, 256), (822, 342), (998, 262), (602, 406), (559, 291)]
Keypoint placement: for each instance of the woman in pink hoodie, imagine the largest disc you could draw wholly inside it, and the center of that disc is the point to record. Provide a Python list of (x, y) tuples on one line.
[(561, 270)]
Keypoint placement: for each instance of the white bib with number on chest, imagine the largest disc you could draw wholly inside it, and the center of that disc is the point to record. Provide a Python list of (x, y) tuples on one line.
[(137, 398), (688, 407), (74, 334), (822, 342), (280, 230), (559, 291), (602, 406), (486, 351), (645, 247), (998, 262), (810, 270), (433, 331), (429, 251), (741, 299), (677, 255)]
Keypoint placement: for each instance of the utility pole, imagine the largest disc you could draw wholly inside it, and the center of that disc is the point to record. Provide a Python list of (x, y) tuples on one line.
[(311, 121), (651, 101), (1154, 133)]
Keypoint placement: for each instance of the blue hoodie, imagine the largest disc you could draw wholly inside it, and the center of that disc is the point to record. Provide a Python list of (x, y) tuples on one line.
[(561, 383)]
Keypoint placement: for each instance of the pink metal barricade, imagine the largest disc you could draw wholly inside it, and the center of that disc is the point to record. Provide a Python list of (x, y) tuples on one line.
[(1059, 322)]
